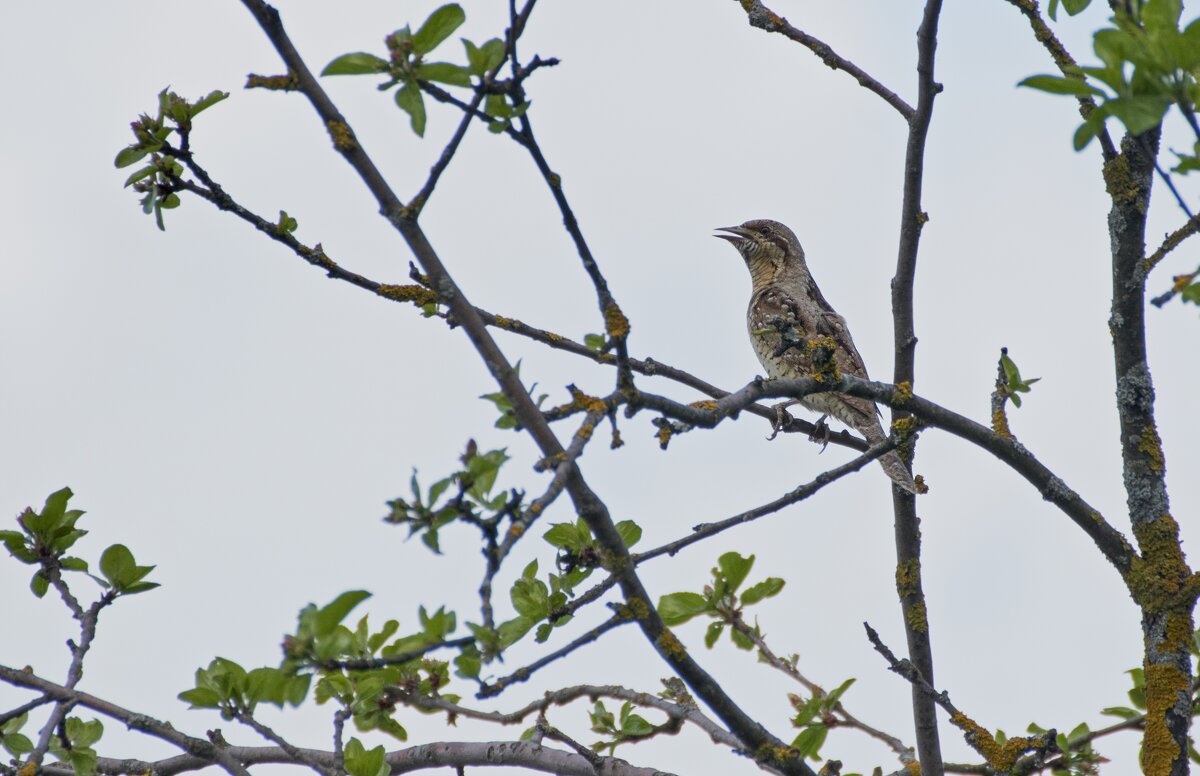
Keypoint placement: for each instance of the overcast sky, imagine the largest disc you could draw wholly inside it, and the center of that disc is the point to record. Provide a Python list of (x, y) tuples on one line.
[(239, 420)]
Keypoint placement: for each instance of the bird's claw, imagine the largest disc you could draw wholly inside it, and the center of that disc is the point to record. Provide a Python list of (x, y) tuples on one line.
[(782, 419), (821, 433)]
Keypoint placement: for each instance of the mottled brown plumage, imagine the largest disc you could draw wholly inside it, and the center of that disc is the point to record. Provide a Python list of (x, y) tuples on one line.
[(785, 301)]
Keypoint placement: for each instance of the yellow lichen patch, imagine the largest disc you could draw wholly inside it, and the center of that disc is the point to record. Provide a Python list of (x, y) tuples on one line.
[(615, 322), (919, 481), (1166, 685), (616, 440), (1000, 758), (1151, 445), (917, 618), (516, 529), (913, 768), (1157, 579), (586, 430), (585, 402), (906, 427), (707, 404), (418, 295), (775, 754), (664, 436), (908, 578), (28, 769), (1118, 180), (669, 645), (636, 609), (903, 392), (1000, 424), (506, 323), (279, 83), (343, 137)]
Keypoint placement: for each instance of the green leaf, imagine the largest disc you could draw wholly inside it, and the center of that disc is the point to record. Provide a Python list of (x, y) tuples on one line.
[(17, 744), (765, 589), (564, 536), (129, 155), (740, 640), (208, 100), (439, 26), (358, 63), (39, 585), (410, 101), (444, 72), (712, 633), (360, 761), (512, 631), (630, 532), (201, 698), (734, 569), (482, 59), (286, 223), (83, 733), (331, 615), (1058, 85), (531, 598), (835, 696), (809, 741), (594, 342), (678, 608)]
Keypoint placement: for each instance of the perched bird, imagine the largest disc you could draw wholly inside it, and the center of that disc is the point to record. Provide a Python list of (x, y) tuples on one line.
[(788, 314)]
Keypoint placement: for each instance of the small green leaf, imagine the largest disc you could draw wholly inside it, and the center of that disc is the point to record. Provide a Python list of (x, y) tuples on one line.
[(410, 101), (678, 608), (765, 589), (835, 696), (286, 223), (358, 63), (444, 72), (712, 633), (1058, 85), (333, 613), (531, 598), (740, 640), (595, 342), (630, 532), (129, 155), (201, 698), (439, 26), (809, 741), (734, 568), (39, 585)]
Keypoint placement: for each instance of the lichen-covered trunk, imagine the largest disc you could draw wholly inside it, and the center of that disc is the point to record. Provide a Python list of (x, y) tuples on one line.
[(1159, 580)]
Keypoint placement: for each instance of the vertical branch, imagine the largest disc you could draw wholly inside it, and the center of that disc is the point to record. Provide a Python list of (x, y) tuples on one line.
[(907, 525), (1162, 585)]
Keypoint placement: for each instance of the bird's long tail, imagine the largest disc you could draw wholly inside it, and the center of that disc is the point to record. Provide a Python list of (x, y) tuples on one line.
[(891, 463)]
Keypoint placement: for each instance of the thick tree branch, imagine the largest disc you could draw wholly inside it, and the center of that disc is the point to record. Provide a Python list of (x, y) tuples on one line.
[(526, 755)]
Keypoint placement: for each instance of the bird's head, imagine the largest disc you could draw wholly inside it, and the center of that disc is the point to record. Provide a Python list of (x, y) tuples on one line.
[(768, 247)]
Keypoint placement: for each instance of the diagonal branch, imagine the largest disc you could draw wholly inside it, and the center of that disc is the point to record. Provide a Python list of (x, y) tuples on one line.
[(590, 508), (1066, 65), (765, 19)]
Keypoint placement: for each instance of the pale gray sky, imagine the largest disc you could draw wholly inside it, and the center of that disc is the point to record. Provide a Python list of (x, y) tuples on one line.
[(239, 420)]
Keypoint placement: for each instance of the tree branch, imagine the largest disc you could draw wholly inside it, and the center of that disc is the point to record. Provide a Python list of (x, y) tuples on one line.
[(765, 19), (587, 504)]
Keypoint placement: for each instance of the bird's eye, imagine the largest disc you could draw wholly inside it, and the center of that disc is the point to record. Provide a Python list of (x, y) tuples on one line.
[(765, 231)]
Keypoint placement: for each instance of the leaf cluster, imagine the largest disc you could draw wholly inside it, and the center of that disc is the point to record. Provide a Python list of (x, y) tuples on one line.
[(1146, 64), (720, 600), (157, 180), (46, 536), (406, 67)]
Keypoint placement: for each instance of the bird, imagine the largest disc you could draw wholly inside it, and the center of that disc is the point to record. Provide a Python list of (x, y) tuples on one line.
[(786, 318)]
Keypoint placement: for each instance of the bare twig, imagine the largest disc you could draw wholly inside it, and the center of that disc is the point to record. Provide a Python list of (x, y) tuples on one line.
[(522, 674), (765, 19)]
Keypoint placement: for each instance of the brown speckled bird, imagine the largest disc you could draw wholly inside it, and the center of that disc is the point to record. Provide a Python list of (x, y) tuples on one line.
[(785, 300)]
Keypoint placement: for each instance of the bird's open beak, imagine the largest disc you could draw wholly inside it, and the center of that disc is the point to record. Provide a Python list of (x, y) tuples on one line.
[(736, 233)]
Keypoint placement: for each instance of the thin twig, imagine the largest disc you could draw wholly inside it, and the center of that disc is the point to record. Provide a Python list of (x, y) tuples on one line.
[(765, 19)]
